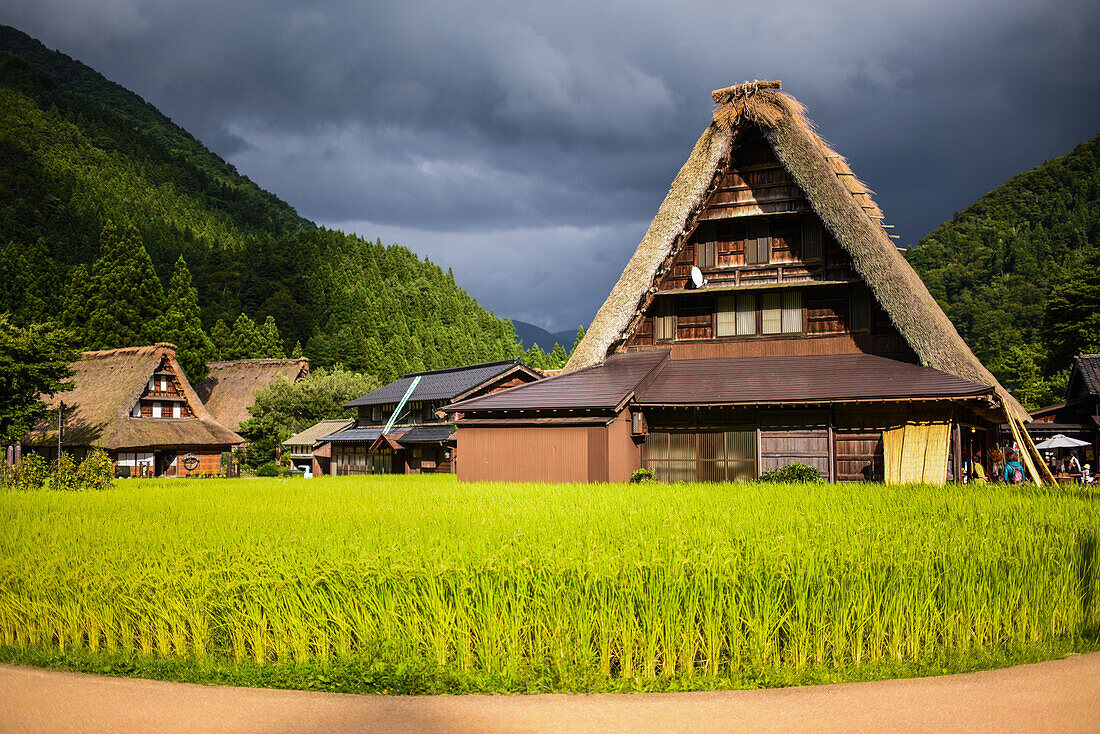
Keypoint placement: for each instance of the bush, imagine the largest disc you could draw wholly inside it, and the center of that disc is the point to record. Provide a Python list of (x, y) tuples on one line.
[(269, 469), (642, 476), (97, 471), (64, 475), (792, 474), (32, 473)]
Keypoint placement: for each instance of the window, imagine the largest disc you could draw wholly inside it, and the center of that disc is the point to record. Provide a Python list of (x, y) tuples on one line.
[(156, 410), (811, 238), (152, 384), (376, 414), (758, 244), (136, 412), (666, 324), (736, 315), (781, 312), (704, 254), (708, 456), (176, 410), (429, 413), (792, 311), (860, 310), (164, 384)]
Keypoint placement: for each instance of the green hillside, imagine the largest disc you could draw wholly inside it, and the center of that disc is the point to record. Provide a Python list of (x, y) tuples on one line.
[(1018, 272), (78, 151)]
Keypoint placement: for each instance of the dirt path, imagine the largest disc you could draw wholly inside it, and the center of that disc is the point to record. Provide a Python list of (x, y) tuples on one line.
[(1057, 696)]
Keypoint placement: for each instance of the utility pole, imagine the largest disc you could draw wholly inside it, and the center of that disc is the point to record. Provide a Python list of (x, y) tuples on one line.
[(60, 429)]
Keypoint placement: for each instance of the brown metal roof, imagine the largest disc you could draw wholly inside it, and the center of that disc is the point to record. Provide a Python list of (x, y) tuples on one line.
[(605, 386), (799, 379)]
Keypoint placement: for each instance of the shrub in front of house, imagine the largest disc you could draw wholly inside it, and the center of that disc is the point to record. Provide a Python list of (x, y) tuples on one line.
[(795, 473)]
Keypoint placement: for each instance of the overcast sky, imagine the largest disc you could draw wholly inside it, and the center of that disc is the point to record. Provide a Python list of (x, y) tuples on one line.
[(528, 145)]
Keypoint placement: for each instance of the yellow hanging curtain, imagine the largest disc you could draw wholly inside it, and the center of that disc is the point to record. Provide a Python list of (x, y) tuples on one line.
[(917, 453)]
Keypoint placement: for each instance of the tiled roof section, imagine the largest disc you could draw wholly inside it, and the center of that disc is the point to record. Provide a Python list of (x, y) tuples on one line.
[(437, 384), (310, 436), (808, 378), (604, 386), (353, 435), (427, 434), (1089, 367)]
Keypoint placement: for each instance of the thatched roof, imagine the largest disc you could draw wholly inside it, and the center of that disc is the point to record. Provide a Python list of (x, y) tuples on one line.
[(229, 388), (838, 198), (107, 384)]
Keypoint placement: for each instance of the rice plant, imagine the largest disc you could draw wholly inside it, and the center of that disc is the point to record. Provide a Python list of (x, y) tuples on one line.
[(575, 582)]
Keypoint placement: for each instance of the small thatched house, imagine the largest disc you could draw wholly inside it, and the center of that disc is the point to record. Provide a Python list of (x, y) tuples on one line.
[(230, 387), (765, 318), (307, 447), (137, 404), (401, 430)]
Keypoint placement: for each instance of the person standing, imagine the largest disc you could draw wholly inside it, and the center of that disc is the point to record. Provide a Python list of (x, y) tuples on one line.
[(1014, 472)]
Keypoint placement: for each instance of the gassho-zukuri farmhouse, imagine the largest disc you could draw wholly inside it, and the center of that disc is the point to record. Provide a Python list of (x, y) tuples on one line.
[(765, 318)]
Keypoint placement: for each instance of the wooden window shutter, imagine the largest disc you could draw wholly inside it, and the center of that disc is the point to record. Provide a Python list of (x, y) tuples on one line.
[(771, 312), (792, 311), (860, 309), (727, 321), (746, 314), (758, 244), (811, 238), (704, 254), (666, 324)]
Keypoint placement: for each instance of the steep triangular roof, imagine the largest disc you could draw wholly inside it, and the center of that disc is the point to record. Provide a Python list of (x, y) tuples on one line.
[(839, 199), (106, 385), (230, 387)]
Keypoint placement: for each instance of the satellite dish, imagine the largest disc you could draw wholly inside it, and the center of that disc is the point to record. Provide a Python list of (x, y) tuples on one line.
[(697, 280)]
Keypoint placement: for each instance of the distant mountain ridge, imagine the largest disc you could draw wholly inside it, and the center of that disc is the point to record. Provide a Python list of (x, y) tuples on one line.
[(530, 335)]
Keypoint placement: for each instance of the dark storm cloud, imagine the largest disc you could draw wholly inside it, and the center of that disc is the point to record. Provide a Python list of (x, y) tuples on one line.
[(541, 138)]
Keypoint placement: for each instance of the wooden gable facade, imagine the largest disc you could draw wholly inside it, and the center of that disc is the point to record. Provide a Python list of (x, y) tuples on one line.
[(803, 336)]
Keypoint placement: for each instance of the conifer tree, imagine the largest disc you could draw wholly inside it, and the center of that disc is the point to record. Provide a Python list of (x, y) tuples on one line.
[(126, 299), (182, 326), (246, 341), (75, 302), (222, 337), (577, 341), (296, 353), (270, 343), (535, 358), (557, 357)]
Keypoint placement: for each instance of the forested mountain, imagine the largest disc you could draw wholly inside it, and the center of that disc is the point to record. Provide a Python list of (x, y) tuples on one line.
[(81, 155), (1018, 272)]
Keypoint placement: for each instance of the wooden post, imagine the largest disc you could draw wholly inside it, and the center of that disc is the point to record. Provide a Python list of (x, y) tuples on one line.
[(956, 448)]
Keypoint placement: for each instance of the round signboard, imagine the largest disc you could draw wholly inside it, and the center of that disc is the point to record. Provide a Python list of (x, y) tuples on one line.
[(190, 462)]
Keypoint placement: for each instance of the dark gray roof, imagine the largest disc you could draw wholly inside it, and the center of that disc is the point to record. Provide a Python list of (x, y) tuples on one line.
[(603, 387), (427, 434), (438, 384), (1089, 367), (353, 435)]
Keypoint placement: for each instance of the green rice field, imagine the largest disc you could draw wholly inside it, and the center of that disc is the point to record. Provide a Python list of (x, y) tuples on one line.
[(422, 584)]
